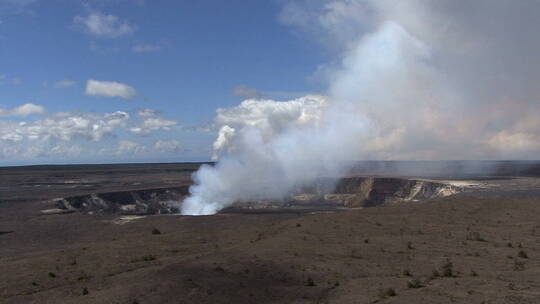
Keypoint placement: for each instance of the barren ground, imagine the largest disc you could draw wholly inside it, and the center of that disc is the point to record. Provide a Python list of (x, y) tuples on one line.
[(464, 249)]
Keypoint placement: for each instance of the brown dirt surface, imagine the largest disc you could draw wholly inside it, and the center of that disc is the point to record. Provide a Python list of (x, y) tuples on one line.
[(451, 250)]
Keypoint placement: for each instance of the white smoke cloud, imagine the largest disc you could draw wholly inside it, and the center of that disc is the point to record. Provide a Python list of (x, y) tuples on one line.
[(414, 80), (268, 117), (109, 89)]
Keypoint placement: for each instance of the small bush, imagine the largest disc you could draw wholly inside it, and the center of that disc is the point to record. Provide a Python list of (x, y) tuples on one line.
[(156, 231), (407, 273), (52, 275), (519, 265), (448, 269), (415, 283), (387, 293), (475, 236), (310, 282), (522, 254), (148, 258)]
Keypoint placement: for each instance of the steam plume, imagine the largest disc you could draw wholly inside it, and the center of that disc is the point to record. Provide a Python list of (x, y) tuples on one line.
[(415, 80)]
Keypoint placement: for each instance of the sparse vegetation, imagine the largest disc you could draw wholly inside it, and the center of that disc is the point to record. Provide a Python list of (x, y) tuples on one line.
[(415, 283), (475, 236), (310, 282), (448, 269), (52, 275), (407, 273), (148, 258), (519, 265), (85, 291), (145, 258), (156, 231), (522, 254), (387, 293)]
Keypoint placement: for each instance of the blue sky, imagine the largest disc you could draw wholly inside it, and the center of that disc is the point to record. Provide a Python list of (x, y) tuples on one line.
[(80, 61)]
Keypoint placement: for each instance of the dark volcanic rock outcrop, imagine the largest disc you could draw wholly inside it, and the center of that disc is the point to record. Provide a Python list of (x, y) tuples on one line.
[(135, 202)]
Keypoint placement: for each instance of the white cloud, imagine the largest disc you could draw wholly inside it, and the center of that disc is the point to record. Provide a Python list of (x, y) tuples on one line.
[(65, 127), (109, 89), (104, 26), (127, 147), (148, 113), (153, 124), (24, 110), (146, 48), (269, 117), (168, 146), (508, 142), (64, 83), (83, 136)]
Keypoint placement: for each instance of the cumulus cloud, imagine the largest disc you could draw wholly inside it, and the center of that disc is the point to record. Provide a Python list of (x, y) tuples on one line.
[(148, 113), (146, 48), (109, 89), (153, 124), (64, 127), (23, 110), (64, 83), (127, 147), (168, 146), (244, 91), (81, 135), (104, 26)]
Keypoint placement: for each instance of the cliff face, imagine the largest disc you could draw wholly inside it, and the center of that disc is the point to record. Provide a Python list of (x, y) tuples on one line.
[(352, 192), (355, 192), (135, 202)]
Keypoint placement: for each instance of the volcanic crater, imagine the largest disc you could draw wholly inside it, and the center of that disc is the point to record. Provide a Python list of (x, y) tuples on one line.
[(324, 193)]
